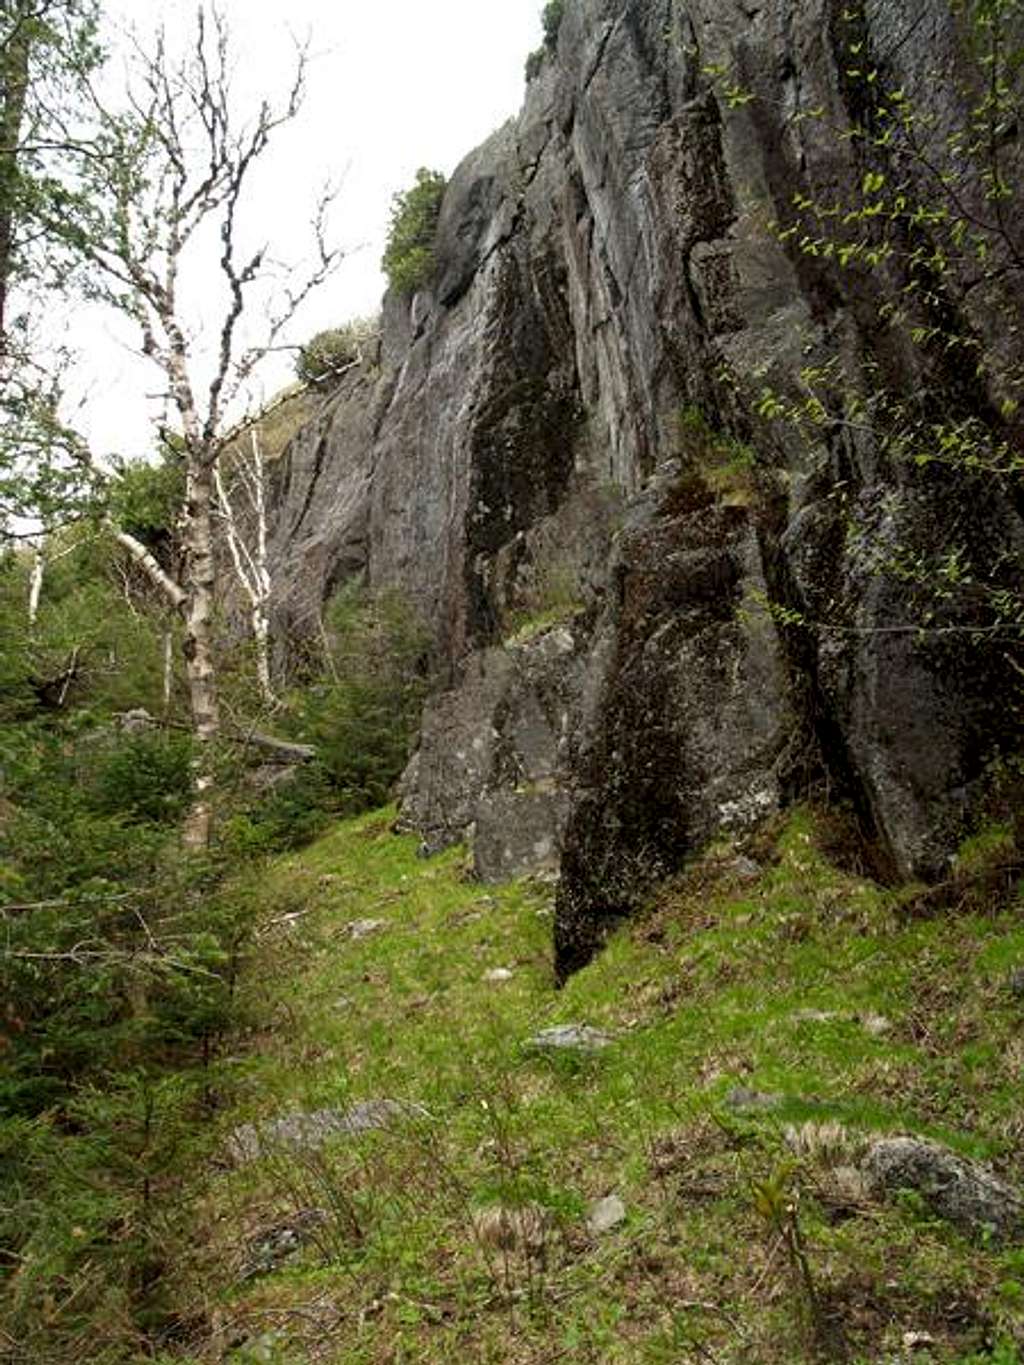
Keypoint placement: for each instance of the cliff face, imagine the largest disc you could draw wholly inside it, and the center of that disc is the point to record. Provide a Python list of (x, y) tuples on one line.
[(568, 418)]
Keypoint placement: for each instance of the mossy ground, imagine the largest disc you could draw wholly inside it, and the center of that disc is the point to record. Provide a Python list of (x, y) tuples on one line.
[(801, 983)]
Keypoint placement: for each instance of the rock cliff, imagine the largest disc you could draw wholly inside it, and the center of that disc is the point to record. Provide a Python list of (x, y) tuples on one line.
[(700, 452)]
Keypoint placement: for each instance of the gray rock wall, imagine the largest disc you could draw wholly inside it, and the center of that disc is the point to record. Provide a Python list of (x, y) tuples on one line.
[(526, 439)]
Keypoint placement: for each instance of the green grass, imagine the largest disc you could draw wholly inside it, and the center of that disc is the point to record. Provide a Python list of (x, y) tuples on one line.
[(915, 1030)]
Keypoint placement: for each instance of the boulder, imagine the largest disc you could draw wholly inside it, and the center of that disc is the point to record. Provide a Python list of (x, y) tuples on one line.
[(962, 1191)]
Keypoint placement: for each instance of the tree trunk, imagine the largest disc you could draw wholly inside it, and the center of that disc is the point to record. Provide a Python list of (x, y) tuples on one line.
[(168, 669), (261, 634), (35, 585), (200, 575), (14, 77)]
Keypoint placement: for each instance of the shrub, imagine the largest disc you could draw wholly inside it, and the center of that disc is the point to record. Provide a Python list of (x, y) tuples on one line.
[(534, 62), (551, 21), (292, 813), (325, 357), (363, 713), (145, 499), (143, 777), (409, 254)]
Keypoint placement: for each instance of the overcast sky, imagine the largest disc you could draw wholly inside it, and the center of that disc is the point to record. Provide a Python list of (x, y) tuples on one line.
[(394, 85)]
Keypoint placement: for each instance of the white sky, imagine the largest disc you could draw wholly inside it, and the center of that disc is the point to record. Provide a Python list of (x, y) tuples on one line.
[(395, 85)]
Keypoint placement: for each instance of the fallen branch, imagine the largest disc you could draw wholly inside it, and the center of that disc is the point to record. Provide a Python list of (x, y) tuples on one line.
[(288, 750), (62, 903)]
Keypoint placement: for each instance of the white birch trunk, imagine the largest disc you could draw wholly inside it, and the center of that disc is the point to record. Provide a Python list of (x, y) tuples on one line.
[(251, 565), (35, 586), (168, 669), (200, 575)]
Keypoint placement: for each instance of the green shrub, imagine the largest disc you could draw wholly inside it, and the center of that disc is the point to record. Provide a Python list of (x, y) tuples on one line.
[(363, 713), (326, 356), (143, 776), (534, 62), (551, 20), (289, 815), (409, 254), (146, 499)]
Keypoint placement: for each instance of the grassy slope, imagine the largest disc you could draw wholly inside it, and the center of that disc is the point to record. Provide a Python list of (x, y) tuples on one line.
[(704, 995)]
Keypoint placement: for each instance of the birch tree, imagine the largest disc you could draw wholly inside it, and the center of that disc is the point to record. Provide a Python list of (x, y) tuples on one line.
[(242, 504), (166, 181)]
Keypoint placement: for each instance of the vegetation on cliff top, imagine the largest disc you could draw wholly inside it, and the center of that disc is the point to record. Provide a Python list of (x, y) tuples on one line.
[(409, 253)]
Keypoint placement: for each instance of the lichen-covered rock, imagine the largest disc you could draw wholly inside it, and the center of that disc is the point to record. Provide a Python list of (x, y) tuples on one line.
[(310, 1130), (953, 1187), (491, 756), (570, 1038)]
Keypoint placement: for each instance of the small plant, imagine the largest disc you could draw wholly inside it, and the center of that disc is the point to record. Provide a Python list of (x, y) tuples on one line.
[(534, 62), (721, 463), (329, 354), (409, 254), (778, 1205), (143, 777), (825, 1144), (551, 20)]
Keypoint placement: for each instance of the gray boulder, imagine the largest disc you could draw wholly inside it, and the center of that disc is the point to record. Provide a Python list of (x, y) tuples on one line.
[(964, 1192), (310, 1130)]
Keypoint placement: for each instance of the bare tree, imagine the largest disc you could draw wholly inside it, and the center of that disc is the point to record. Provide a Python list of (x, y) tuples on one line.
[(164, 180)]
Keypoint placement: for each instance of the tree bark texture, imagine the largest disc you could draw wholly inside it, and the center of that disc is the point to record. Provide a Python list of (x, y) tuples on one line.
[(14, 75), (200, 575)]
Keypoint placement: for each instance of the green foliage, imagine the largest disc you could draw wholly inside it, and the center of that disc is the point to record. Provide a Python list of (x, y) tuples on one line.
[(143, 777), (326, 356), (534, 63), (291, 814), (409, 253), (47, 55), (93, 643), (116, 981), (714, 460), (146, 499), (551, 21), (362, 713)]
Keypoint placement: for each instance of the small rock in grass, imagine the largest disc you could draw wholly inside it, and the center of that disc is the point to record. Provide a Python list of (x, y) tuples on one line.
[(275, 1245), (568, 1037), (605, 1214), (1015, 982), (918, 1341), (962, 1191), (745, 868), (742, 1098), (362, 928), (498, 974)]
